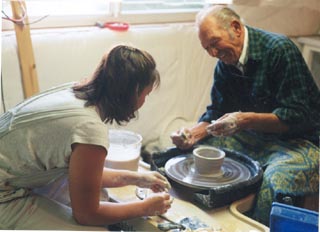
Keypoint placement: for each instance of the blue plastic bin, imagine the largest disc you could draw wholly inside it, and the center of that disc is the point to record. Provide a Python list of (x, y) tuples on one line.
[(287, 218)]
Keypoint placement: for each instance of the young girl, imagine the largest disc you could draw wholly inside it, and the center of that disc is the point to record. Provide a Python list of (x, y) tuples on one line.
[(62, 134)]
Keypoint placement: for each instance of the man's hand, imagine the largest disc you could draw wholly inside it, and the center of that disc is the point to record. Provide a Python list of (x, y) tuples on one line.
[(224, 126), (183, 139)]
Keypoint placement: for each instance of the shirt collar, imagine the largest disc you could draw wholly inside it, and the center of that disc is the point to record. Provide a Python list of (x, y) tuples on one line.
[(244, 54)]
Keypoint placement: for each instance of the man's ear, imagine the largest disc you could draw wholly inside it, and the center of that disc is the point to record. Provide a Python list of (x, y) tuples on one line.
[(236, 27)]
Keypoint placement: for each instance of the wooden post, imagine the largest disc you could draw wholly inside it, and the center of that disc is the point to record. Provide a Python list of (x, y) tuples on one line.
[(25, 51)]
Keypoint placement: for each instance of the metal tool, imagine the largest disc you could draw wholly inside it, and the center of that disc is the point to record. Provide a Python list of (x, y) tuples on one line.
[(170, 225)]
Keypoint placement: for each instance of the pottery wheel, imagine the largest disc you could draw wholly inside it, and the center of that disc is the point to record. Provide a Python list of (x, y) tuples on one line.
[(181, 169)]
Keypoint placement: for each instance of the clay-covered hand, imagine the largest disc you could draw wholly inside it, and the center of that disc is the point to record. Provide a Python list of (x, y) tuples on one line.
[(153, 180), (224, 126), (183, 139), (158, 203)]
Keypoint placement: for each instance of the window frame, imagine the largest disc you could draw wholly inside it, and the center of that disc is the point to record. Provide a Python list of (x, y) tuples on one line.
[(86, 20)]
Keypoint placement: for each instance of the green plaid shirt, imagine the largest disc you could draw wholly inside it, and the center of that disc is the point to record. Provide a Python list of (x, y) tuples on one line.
[(276, 80)]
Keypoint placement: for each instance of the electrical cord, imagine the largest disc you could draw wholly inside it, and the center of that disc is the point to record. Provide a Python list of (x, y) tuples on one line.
[(20, 21), (2, 96), (17, 21)]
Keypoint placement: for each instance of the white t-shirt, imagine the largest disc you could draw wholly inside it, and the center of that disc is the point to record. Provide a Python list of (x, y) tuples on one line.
[(36, 138)]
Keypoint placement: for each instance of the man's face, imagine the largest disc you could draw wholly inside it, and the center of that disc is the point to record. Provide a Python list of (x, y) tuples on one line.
[(224, 44)]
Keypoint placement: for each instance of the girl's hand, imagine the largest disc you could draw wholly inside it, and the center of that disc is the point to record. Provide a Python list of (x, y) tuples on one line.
[(153, 180), (157, 203)]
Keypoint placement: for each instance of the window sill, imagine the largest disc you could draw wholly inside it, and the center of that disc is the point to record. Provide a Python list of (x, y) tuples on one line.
[(63, 21)]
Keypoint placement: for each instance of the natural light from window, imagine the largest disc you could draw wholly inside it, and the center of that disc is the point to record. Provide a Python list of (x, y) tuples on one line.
[(73, 13)]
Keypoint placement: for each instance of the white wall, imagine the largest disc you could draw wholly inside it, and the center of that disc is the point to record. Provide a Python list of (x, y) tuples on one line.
[(70, 55), (290, 17), (64, 55)]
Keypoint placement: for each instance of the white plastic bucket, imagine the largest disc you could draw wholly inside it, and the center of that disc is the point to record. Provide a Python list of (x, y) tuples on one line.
[(124, 150)]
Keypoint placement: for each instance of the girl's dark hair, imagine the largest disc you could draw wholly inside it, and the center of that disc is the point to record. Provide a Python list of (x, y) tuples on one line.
[(117, 82)]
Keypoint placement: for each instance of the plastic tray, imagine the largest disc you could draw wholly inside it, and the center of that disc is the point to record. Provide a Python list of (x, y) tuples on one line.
[(284, 218)]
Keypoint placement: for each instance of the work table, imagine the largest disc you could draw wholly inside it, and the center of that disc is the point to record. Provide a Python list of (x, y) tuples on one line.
[(224, 219)]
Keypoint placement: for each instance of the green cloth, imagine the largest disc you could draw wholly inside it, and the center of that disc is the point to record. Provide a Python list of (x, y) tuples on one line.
[(291, 168)]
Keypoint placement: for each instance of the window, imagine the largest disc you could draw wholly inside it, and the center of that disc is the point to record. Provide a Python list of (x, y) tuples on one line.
[(165, 5), (66, 13)]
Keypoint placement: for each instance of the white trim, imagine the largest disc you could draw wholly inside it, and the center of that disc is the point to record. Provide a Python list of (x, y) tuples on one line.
[(90, 20), (71, 13)]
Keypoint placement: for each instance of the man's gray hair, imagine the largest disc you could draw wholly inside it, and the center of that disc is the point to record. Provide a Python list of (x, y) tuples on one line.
[(223, 14)]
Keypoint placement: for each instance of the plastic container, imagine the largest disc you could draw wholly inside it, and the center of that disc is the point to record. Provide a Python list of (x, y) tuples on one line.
[(124, 150), (284, 218)]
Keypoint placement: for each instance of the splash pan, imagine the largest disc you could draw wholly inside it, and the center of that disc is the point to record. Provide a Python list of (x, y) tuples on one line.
[(239, 176), (181, 169)]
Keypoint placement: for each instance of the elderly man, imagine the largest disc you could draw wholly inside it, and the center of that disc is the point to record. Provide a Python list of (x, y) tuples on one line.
[(264, 103)]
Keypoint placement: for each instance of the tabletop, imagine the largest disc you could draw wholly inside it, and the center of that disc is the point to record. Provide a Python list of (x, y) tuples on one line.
[(229, 218)]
